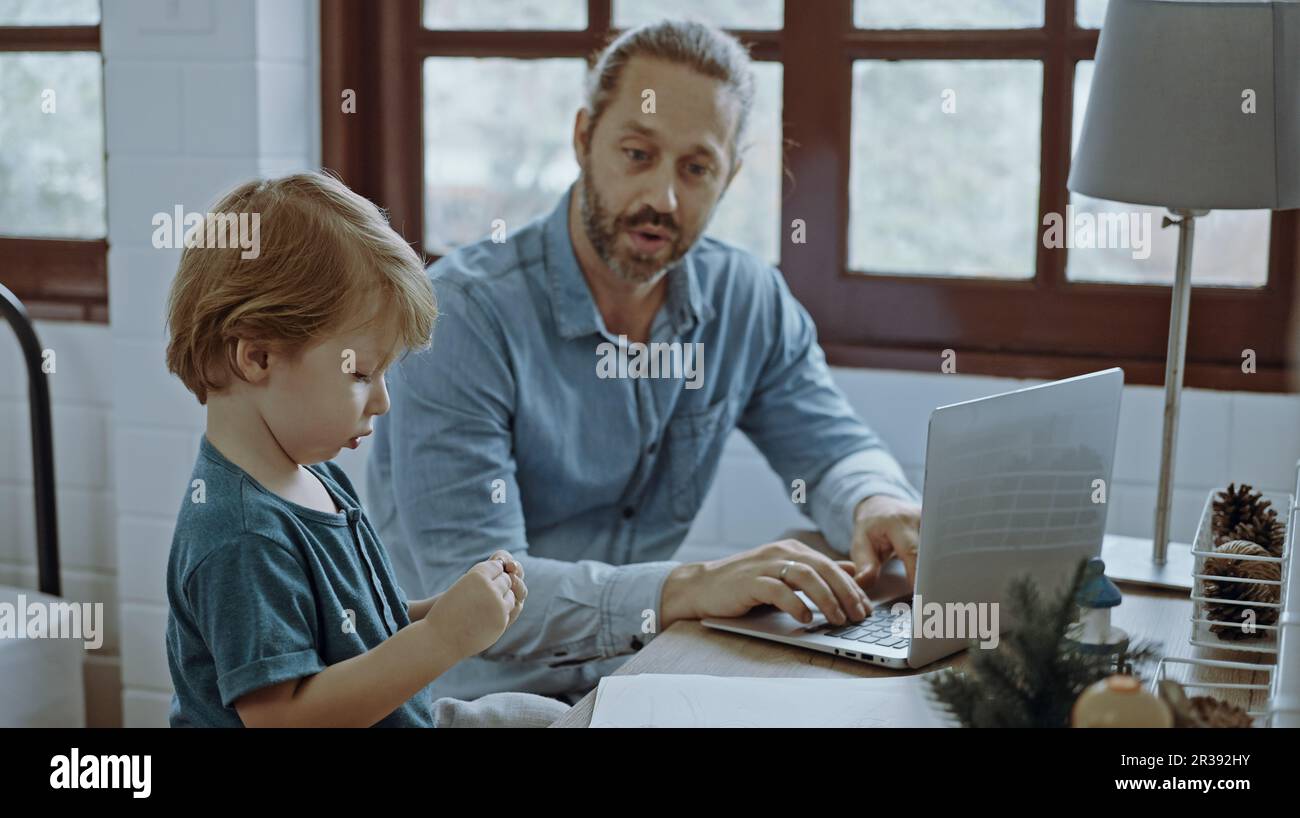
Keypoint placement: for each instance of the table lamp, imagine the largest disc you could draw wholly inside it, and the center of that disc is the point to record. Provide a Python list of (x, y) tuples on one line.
[(1168, 124)]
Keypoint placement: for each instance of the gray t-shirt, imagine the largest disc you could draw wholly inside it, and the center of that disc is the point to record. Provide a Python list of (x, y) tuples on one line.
[(262, 590)]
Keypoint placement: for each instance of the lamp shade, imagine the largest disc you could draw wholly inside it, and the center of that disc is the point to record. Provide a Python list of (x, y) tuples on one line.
[(1194, 105)]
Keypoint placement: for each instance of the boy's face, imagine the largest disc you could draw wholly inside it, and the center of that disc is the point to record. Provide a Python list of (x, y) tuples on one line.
[(650, 180), (323, 400)]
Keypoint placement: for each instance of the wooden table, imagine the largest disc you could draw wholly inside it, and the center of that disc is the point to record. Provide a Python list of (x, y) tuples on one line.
[(689, 647)]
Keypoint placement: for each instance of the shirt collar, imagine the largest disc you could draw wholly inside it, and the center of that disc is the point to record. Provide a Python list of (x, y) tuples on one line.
[(349, 511), (574, 308)]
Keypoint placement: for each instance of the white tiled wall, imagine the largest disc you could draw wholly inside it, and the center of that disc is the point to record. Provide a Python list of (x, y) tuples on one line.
[(1222, 436), (220, 91), (199, 96)]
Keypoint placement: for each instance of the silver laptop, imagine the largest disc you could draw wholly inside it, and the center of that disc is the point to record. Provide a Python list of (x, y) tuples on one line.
[(1011, 489)]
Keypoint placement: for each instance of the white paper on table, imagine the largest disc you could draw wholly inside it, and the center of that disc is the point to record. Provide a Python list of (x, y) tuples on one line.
[(670, 700)]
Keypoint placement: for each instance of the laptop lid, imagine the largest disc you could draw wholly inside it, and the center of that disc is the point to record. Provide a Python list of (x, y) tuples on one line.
[(1015, 484)]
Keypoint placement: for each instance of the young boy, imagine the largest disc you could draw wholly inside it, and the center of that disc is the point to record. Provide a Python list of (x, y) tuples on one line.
[(283, 606)]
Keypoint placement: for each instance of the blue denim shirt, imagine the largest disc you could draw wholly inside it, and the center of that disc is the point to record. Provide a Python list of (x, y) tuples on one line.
[(505, 435)]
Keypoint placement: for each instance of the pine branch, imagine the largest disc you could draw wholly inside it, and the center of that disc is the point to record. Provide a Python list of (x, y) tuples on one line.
[(1034, 676)]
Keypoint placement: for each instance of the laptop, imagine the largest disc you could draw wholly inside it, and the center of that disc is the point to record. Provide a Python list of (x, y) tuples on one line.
[(1015, 484)]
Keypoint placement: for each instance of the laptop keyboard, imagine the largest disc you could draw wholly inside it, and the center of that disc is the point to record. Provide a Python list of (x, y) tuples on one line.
[(876, 629)]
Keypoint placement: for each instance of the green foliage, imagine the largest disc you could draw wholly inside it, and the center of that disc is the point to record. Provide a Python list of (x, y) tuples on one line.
[(1034, 676)]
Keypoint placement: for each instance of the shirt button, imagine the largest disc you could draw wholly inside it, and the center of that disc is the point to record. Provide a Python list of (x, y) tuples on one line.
[(652, 448), (628, 513)]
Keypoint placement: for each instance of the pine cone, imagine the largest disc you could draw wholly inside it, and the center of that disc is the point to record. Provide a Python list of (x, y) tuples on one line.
[(1201, 711), (1211, 712), (1243, 514), (1244, 591), (1231, 508), (1264, 528)]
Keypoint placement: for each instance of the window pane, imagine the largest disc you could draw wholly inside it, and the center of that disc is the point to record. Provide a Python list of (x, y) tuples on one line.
[(944, 167), (46, 13), (749, 214), (497, 143), (746, 14), (505, 14), (948, 13), (51, 130), (1231, 246), (1090, 13)]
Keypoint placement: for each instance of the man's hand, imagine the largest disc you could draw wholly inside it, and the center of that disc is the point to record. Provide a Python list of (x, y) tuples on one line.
[(767, 575), (884, 527)]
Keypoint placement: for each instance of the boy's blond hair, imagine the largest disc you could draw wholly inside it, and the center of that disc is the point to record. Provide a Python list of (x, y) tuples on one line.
[(324, 252)]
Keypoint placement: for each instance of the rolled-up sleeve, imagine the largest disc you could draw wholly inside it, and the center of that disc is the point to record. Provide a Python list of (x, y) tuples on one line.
[(806, 429), (454, 484), (253, 604), (853, 479)]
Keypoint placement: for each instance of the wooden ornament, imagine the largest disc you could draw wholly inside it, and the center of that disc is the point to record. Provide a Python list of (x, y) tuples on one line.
[(1119, 701)]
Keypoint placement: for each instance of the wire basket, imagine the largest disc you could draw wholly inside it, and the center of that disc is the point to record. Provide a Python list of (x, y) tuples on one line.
[(1208, 631), (1222, 680)]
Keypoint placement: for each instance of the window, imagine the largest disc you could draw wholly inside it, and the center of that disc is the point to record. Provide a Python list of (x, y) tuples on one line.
[(52, 213), (921, 145), (931, 193), (947, 14), (733, 14), (498, 129), (490, 153)]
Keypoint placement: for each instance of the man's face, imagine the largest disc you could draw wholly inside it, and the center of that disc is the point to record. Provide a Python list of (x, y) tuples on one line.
[(650, 180)]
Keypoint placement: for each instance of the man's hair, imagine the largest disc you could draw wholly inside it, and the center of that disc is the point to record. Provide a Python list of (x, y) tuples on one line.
[(699, 46), (324, 253)]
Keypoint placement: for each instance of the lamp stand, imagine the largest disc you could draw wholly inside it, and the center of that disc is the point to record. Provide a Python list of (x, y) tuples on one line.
[(1170, 565)]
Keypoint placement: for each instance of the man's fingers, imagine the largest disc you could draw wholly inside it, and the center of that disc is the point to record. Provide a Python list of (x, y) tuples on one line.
[(772, 591), (906, 546), (804, 577), (870, 568), (861, 553), (853, 601), (518, 586)]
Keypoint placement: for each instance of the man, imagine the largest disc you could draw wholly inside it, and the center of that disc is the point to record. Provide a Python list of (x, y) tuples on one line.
[(510, 433)]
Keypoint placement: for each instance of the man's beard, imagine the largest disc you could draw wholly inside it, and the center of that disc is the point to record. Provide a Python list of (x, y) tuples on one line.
[(603, 231)]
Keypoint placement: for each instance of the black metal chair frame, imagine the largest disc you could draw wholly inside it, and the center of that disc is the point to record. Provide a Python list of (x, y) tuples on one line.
[(38, 395)]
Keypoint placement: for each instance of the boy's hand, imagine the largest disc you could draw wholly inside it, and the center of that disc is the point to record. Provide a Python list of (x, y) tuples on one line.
[(472, 614), (516, 571)]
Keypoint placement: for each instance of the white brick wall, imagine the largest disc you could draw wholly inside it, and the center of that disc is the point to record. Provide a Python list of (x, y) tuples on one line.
[(227, 90), (1222, 436), (200, 95)]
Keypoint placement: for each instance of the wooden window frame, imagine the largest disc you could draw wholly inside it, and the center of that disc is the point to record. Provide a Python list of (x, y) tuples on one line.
[(1044, 327), (56, 279)]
